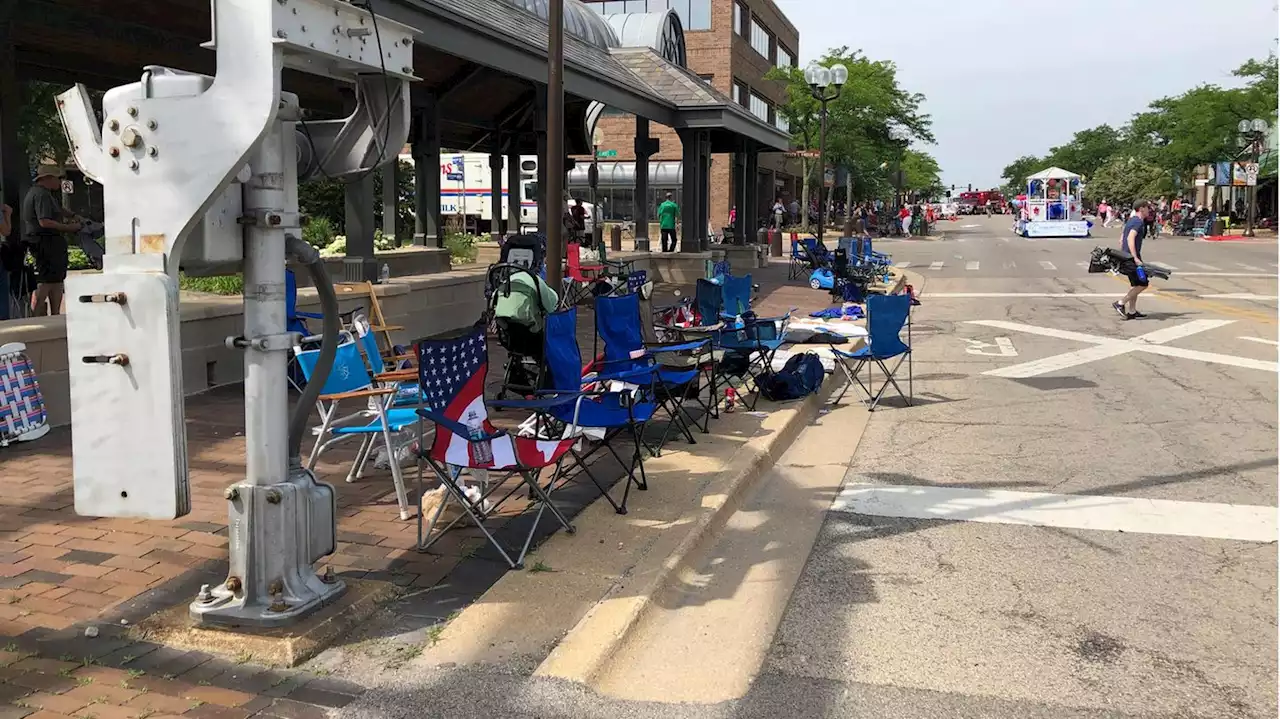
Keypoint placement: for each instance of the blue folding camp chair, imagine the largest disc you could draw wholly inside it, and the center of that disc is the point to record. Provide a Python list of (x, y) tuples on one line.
[(618, 324), (755, 342), (736, 294), (452, 374), (886, 316), (798, 262), (349, 380), (611, 411)]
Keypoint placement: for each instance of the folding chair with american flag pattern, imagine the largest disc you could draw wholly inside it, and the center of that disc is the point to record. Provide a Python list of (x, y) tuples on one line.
[(22, 413), (452, 374)]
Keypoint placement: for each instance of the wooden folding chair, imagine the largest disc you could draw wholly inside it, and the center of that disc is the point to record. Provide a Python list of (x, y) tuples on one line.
[(379, 326)]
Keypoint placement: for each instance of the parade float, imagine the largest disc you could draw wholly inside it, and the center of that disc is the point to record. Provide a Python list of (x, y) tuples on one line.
[(1054, 207)]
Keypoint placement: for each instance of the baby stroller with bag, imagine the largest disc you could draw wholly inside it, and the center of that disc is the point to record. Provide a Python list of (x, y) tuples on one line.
[(519, 302)]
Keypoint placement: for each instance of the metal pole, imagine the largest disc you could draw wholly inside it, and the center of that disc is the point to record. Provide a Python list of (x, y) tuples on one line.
[(822, 168), (1251, 193), (266, 397), (555, 142)]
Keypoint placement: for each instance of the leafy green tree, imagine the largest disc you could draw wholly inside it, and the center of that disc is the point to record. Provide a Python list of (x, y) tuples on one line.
[(922, 174), (1015, 174), (324, 197), (39, 127), (1124, 180), (858, 122)]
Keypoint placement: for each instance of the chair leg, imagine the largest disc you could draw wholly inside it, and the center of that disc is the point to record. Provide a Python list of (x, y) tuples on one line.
[(325, 418), (357, 466)]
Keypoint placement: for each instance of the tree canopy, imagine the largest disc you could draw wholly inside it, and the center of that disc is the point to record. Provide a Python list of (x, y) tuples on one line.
[(1166, 141), (871, 123)]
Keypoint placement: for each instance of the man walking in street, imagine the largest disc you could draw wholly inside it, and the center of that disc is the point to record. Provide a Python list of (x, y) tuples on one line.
[(1135, 231), (43, 224), (668, 213)]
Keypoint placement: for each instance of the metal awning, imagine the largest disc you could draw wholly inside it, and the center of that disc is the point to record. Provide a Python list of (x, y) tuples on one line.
[(623, 174)]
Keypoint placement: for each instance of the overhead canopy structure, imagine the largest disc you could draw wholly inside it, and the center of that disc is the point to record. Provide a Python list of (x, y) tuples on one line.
[(1054, 173)]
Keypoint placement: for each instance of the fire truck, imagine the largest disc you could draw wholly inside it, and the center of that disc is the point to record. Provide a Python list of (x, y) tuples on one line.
[(466, 192), (977, 202)]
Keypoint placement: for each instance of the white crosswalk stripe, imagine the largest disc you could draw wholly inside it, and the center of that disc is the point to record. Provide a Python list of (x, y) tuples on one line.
[(1167, 267), (1203, 266), (1251, 268), (1047, 265), (902, 265), (973, 265), (936, 265), (1010, 265), (1082, 264)]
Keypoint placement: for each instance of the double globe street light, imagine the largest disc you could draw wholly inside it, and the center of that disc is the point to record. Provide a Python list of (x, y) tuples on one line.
[(825, 84), (1253, 134)]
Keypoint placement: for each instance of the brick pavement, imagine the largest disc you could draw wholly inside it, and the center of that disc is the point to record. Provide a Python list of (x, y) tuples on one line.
[(60, 572)]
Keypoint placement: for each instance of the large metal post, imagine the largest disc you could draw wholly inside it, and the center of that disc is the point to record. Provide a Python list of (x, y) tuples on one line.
[(694, 190), (428, 225), (822, 171), (515, 193), (266, 398), (14, 175), (358, 198), (495, 188), (643, 149), (740, 226), (540, 147), (390, 200), (555, 142)]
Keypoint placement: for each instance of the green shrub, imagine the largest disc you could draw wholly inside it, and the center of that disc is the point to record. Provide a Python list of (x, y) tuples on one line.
[(219, 285), (461, 246), (319, 232), (77, 259)]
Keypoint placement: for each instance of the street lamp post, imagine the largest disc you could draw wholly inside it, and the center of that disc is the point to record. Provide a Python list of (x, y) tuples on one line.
[(825, 84), (1253, 134)]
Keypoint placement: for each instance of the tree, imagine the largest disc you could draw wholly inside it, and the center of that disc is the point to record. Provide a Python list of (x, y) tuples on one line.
[(1124, 180), (921, 174), (1173, 135), (859, 137), (1015, 174), (326, 197)]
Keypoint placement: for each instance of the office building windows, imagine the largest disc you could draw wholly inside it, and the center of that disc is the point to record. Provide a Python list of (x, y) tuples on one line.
[(759, 107), (740, 93), (785, 57), (780, 122), (759, 38), (699, 15), (739, 17)]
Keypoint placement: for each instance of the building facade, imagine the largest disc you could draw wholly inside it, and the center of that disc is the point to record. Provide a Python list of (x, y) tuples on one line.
[(731, 45)]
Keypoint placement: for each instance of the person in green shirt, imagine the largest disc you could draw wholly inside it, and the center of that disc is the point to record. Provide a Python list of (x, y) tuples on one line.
[(668, 212)]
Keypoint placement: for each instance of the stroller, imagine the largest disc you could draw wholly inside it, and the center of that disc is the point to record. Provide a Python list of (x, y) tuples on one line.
[(518, 305)]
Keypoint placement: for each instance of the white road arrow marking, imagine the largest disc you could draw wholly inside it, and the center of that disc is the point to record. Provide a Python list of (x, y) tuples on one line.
[(1105, 347), (1047, 265), (1262, 340), (1003, 347), (936, 265)]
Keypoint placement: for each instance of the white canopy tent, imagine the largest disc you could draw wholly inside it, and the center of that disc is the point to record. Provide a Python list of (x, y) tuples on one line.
[(1054, 173)]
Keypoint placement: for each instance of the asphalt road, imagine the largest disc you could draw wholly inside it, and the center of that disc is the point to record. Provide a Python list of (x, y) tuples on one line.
[(1109, 494)]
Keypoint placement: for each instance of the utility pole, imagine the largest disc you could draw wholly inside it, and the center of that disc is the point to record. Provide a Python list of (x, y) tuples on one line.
[(555, 142)]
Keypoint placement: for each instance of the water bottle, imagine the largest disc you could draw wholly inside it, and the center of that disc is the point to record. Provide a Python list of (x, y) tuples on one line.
[(483, 448), (385, 274), (1142, 273)]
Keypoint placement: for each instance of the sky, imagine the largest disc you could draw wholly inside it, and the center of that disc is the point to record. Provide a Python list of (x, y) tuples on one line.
[(996, 93)]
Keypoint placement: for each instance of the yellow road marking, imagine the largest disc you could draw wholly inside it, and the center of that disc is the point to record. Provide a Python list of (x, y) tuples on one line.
[(1215, 307)]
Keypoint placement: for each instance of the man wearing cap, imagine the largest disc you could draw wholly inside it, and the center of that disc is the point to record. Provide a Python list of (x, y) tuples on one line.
[(43, 224)]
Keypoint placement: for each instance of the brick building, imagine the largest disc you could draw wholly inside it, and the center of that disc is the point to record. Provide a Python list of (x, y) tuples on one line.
[(730, 44)]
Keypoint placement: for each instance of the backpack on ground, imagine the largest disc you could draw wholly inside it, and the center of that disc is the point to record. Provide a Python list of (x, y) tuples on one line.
[(800, 377)]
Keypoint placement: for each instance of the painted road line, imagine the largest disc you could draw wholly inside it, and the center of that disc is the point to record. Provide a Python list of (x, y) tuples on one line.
[(971, 266), (902, 265), (1262, 340), (1203, 266), (936, 265), (1250, 268), (1246, 523), (1225, 274), (1001, 295), (1004, 239), (1010, 265), (1239, 296), (1047, 265), (1105, 347)]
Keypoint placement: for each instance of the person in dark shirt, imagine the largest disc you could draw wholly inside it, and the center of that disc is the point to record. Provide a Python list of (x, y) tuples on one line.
[(1135, 231), (43, 224)]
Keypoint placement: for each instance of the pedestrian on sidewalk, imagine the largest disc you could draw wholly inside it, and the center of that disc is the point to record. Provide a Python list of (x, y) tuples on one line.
[(904, 218), (668, 213), (1135, 231), (43, 223)]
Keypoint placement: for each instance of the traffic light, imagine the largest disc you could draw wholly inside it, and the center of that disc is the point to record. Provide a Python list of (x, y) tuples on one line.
[(970, 187), (949, 193), (953, 189)]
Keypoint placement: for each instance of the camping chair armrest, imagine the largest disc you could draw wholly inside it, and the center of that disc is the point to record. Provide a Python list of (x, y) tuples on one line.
[(664, 347), (456, 427), (385, 328), (400, 375), (556, 400), (354, 394), (309, 315)]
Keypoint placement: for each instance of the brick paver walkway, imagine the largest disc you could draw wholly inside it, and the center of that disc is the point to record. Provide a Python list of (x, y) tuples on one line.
[(61, 573)]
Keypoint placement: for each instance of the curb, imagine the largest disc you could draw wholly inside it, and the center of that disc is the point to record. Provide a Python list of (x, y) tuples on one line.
[(594, 640)]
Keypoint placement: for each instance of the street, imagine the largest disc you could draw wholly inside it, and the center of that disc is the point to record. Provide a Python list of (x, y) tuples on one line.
[(1076, 518)]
